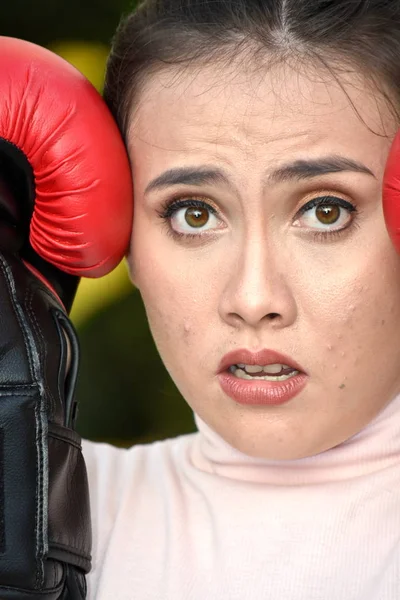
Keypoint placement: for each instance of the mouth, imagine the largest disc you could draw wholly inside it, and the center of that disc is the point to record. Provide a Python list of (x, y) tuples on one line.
[(263, 377), (263, 363), (273, 372)]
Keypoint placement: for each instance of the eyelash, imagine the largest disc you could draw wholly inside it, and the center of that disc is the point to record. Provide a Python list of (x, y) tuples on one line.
[(170, 207), (327, 200)]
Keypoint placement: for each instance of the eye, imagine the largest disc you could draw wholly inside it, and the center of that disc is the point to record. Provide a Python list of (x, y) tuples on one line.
[(190, 216), (325, 213)]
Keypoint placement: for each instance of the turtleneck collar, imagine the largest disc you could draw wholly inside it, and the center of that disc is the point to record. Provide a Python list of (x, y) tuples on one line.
[(373, 449)]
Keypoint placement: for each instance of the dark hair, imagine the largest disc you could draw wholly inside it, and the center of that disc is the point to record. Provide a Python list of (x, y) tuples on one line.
[(340, 34)]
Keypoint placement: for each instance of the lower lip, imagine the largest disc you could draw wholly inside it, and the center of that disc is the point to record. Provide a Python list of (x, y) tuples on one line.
[(260, 391)]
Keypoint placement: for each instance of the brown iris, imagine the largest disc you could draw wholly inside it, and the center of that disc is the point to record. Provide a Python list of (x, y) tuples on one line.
[(196, 217), (328, 213)]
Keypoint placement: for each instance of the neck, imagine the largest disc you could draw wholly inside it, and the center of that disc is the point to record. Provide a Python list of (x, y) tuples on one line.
[(373, 449)]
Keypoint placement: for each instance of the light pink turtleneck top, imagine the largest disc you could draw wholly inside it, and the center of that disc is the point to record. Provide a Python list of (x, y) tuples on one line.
[(191, 518)]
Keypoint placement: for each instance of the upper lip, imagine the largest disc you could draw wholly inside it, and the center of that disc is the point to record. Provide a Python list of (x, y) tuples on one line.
[(260, 357)]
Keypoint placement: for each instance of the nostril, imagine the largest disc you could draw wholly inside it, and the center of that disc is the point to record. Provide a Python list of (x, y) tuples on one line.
[(272, 316)]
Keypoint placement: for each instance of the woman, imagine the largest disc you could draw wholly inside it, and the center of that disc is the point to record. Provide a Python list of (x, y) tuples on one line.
[(258, 133)]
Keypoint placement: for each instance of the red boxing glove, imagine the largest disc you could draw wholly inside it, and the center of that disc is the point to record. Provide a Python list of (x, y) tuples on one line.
[(55, 128), (391, 193), (65, 209)]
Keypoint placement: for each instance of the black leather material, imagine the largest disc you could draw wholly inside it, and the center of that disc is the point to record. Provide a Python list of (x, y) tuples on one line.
[(45, 534), (17, 178)]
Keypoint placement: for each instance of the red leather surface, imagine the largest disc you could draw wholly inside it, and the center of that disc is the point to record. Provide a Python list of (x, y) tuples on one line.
[(391, 193), (83, 209)]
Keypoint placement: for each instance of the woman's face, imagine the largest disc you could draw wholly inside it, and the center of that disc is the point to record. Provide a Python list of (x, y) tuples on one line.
[(258, 226)]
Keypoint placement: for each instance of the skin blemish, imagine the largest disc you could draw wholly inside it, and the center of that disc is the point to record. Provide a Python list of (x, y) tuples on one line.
[(342, 386), (186, 332)]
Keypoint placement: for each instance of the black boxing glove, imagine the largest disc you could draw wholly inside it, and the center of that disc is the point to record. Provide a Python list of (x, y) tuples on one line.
[(65, 211)]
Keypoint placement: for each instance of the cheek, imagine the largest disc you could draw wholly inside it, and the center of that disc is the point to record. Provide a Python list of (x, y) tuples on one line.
[(355, 314), (346, 280), (174, 295)]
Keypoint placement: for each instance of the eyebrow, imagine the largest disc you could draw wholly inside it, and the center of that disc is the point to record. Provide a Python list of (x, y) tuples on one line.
[(188, 176), (306, 169), (294, 171)]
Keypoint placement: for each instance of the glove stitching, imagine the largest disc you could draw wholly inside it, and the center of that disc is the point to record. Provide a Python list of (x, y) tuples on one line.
[(24, 328), (39, 505), (33, 387), (66, 440), (48, 395), (42, 345), (79, 552), (41, 524), (9, 278)]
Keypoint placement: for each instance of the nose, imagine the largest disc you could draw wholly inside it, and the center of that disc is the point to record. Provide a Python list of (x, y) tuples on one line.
[(258, 289)]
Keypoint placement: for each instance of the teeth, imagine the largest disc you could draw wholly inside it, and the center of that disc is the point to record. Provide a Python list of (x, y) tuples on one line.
[(269, 369), (253, 368), (242, 374), (273, 369)]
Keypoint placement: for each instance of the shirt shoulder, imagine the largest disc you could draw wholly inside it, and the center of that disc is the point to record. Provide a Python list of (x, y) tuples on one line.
[(123, 482), (116, 472)]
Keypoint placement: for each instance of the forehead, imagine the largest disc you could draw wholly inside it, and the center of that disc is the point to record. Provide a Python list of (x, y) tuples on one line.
[(226, 113)]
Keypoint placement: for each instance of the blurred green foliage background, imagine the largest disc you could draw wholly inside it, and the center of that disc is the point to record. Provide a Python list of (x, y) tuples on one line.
[(125, 394)]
